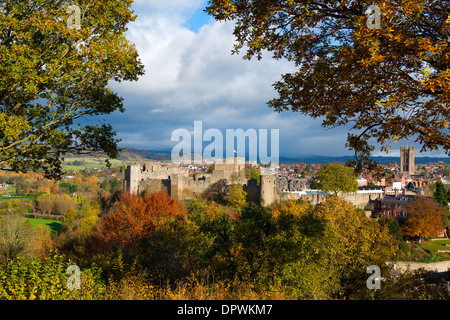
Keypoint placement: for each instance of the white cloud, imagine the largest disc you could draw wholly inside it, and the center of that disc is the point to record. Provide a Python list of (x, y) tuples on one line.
[(192, 75)]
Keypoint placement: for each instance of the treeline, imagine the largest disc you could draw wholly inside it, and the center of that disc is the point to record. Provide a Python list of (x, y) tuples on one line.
[(35, 195), (77, 181), (154, 247)]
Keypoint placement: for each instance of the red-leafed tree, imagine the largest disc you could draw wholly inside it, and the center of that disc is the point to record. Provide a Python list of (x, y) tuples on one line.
[(135, 216), (425, 218)]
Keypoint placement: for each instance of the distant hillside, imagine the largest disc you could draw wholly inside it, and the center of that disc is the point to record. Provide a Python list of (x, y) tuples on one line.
[(131, 154), (344, 159)]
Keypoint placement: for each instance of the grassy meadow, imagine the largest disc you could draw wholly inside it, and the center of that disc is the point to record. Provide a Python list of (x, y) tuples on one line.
[(53, 225), (436, 245), (88, 163)]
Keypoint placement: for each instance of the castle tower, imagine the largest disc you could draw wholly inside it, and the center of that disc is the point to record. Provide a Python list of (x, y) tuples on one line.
[(176, 187), (268, 184), (132, 177), (407, 160)]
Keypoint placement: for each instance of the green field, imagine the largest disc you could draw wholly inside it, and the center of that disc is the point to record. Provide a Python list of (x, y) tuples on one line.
[(436, 245), (53, 225), (9, 190), (88, 163), (13, 198)]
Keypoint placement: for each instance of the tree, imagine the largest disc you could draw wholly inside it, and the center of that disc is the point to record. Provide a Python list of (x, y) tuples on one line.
[(89, 219), (52, 74), (350, 243), (253, 173), (425, 218), (308, 168), (70, 221), (15, 237), (68, 187), (216, 192), (336, 178), (393, 226), (105, 185), (236, 196), (216, 226), (45, 279), (114, 183), (62, 204), (440, 194), (136, 216), (45, 203), (251, 238), (388, 83)]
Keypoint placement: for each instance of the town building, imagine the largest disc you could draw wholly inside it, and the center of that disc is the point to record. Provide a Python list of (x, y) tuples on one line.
[(393, 205)]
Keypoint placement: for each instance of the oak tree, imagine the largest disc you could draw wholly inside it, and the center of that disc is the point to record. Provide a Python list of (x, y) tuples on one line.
[(387, 83), (54, 76)]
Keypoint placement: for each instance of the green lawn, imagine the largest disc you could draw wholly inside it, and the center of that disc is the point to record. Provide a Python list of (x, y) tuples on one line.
[(436, 245), (53, 225)]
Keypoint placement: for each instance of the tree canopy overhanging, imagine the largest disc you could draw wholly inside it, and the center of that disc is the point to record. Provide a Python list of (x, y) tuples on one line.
[(390, 83), (52, 75)]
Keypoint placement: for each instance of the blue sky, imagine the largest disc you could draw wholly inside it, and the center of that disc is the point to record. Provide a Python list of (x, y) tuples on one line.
[(191, 75)]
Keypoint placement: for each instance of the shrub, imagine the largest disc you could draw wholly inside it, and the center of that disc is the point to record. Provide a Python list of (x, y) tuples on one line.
[(35, 279)]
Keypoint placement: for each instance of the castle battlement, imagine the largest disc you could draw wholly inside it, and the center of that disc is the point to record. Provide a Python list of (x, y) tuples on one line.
[(176, 180)]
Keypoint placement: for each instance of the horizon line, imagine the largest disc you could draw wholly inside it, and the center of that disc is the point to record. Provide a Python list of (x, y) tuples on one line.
[(307, 156)]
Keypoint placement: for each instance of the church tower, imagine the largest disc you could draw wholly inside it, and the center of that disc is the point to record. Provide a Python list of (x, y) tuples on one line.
[(407, 160)]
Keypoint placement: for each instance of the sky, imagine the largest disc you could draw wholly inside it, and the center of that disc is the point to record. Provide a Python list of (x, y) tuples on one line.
[(191, 75)]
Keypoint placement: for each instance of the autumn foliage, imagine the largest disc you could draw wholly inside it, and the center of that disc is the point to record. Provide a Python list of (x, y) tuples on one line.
[(425, 218), (51, 75), (135, 216), (388, 83)]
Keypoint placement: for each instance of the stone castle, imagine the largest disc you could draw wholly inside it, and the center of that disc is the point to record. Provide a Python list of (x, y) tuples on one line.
[(182, 185), (177, 181)]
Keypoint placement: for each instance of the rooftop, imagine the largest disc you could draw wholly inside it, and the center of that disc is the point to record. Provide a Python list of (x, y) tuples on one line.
[(401, 198)]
